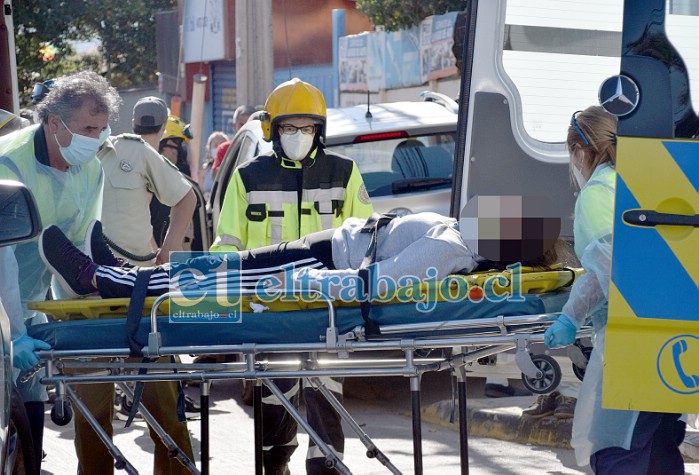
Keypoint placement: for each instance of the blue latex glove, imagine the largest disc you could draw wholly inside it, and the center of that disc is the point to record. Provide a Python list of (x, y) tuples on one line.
[(561, 333), (23, 348)]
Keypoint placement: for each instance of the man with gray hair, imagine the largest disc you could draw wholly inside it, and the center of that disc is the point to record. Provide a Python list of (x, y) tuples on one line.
[(56, 159)]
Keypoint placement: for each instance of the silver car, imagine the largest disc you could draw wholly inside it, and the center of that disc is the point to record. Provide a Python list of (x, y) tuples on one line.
[(404, 150)]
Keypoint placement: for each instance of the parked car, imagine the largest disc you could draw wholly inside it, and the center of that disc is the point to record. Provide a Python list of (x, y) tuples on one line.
[(404, 150), (19, 222)]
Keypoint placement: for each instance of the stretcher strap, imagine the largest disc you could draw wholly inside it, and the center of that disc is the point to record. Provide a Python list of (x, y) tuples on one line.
[(133, 321), (373, 224), (133, 316)]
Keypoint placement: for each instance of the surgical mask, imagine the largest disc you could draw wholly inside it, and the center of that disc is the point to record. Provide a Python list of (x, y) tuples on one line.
[(82, 149), (296, 146), (577, 173)]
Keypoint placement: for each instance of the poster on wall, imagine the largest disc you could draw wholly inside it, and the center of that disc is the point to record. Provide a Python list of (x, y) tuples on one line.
[(376, 45), (353, 50), (204, 31), (436, 41), (402, 59)]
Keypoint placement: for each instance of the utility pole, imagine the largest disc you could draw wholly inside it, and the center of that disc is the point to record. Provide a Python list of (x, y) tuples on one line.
[(254, 52)]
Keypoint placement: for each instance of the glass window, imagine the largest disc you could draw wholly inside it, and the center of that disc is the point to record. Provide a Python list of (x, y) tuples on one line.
[(392, 167), (574, 45)]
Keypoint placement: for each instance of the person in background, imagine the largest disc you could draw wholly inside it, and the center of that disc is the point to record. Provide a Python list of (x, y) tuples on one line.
[(207, 177), (241, 116), (56, 159), (10, 122), (135, 172), (297, 189), (173, 143), (611, 441), (173, 146)]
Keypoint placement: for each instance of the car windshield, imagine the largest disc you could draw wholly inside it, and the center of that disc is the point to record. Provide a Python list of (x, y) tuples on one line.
[(403, 165)]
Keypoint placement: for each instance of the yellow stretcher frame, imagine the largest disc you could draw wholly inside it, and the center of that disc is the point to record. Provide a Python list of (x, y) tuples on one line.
[(530, 281)]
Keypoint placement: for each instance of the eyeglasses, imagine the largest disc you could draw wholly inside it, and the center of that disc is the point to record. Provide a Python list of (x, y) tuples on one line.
[(574, 124), (288, 129)]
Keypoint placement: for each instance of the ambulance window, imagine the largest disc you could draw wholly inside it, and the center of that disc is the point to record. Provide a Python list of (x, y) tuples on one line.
[(575, 46), (681, 25)]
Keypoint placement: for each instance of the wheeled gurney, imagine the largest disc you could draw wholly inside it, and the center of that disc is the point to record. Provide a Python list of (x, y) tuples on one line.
[(312, 340)]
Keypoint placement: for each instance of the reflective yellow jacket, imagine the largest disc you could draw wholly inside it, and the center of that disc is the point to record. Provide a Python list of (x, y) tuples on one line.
[(268, 202)]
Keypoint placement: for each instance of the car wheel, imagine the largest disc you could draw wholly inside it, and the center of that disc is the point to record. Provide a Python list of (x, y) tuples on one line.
[(21, 454)]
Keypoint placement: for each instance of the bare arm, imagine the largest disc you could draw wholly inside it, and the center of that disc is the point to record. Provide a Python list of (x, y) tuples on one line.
[(180, 217)]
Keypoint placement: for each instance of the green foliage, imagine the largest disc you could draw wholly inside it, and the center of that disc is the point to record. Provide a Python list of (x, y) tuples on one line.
[(124, 30), (395, 15)]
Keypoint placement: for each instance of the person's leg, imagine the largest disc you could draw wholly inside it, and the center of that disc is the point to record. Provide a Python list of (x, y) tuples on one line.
[(278, 427), (161, 398), (35, 416), (116, 282), (665, 456), (93, 456), (33, 396), (323, 418), (637, 460)]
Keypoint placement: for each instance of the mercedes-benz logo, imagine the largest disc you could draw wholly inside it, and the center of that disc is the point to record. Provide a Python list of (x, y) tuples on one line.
[(619, 95)]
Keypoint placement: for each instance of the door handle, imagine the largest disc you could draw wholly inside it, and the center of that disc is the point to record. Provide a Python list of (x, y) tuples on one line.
[(650, 218)]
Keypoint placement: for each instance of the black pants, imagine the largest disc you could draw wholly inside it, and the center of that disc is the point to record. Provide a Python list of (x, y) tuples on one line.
[(654, 449), (314, 250)]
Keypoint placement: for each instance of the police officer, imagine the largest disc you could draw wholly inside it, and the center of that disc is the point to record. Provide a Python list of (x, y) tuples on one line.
[(134, 172), (297, 189)]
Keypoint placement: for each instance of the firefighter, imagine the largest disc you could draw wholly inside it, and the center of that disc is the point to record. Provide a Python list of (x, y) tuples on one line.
[(297, 189)]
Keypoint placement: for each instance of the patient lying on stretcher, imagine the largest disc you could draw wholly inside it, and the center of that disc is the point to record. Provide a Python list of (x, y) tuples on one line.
[(400, 250)]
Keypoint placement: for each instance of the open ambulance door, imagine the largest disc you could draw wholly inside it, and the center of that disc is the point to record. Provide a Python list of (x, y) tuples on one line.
[(527, 66), (652, 336)]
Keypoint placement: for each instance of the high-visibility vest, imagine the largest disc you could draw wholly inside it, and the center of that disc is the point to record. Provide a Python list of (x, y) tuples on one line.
[(594, 208), (268, 202)]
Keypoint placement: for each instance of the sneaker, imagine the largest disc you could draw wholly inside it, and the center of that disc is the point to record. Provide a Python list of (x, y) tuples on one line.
[(500, 390), (96, 247), (565, 407), (545, 405), (72, 268)]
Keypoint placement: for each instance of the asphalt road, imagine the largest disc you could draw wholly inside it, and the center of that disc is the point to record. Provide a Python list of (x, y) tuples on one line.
[(380, 407)]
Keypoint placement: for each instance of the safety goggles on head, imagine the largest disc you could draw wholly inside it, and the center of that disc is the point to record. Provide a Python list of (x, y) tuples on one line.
[(288, 129), (574, 124), (187, 131)]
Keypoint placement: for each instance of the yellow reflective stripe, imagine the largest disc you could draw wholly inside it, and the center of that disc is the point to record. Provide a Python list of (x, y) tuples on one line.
[(651, 156)]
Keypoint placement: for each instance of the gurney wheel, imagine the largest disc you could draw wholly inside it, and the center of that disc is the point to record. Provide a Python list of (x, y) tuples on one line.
[(551, 375), (578, 371), (66, 417)]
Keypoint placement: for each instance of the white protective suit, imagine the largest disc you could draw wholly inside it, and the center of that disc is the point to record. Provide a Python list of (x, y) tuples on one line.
[(70, 200), (595, 428)]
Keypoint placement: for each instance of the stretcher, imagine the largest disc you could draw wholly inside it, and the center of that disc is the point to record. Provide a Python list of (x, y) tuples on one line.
[(284, 339)]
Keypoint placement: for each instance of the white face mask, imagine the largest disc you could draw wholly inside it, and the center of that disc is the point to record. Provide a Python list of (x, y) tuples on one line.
[(296, 146), (577, 173), (81, 149)]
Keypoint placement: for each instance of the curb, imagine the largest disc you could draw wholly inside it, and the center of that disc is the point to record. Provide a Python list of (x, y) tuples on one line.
[(507, 423), (503, 423)]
